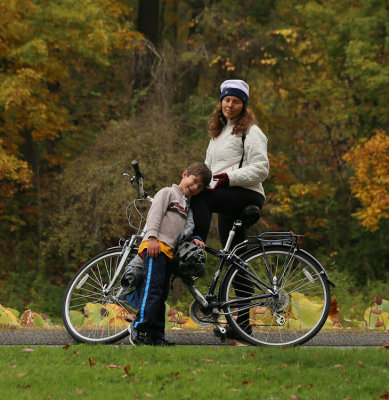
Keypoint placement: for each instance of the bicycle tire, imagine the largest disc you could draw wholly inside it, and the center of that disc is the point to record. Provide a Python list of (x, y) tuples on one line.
[(302, 306), (90, 315)]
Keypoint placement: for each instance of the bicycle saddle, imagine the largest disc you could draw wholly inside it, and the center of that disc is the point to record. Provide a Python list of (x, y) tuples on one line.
[(250, 215)]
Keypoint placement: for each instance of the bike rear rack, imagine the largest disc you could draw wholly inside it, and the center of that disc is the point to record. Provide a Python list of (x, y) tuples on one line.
[(274, 238)]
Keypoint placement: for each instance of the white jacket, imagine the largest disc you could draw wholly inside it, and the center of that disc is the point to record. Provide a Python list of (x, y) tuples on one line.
[(225, 152)]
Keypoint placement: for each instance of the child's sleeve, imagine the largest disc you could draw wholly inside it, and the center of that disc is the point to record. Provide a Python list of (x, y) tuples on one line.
[(157, 211)]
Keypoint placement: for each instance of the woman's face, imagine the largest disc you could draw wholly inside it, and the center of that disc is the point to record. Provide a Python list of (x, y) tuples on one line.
[(231, 106)]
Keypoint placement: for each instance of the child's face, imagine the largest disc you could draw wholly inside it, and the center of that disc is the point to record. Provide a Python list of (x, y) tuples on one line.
[(191, 184)]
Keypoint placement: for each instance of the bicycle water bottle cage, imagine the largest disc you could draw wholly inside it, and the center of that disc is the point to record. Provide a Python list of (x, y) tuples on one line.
[(250, 215)]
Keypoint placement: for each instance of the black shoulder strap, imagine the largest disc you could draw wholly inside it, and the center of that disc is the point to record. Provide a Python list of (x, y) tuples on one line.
[(243, 139)]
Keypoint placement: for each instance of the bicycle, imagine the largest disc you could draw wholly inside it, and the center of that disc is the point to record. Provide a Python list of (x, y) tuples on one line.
[(268, 284)]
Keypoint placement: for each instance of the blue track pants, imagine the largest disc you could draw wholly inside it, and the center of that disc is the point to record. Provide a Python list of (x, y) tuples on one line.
[(153, 294)]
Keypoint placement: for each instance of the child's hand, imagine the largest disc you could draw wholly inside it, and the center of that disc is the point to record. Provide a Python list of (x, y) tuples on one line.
[(199, 243), (153, 248)]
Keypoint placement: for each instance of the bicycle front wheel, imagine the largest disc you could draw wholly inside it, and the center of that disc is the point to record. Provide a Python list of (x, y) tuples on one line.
[(297, 311), (92, 314)]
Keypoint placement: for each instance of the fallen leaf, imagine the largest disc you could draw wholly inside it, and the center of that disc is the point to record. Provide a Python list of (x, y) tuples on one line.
[(76, 352), (246, 382), (385, 347), (27, 350), (284, 365), (92, 362), (384, 395), (359, 362), (21, 374), (79, 391), (127, 369), (148, 395), (293, 397), (175, 373), (66, 346), (207, 360), (13, 366), (113, 366), (239, 344)]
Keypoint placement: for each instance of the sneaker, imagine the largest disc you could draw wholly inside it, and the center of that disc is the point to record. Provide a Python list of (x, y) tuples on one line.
[(157, 341), (230, 333), (136, 337)]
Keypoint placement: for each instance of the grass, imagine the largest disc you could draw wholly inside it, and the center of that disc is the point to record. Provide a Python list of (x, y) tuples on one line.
[(190, 372)]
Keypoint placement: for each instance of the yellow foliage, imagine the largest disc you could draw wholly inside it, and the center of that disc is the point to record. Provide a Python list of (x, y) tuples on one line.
[(370, 185), (13, 174), (7, 317)]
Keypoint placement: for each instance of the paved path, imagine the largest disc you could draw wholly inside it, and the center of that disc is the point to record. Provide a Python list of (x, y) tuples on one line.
[(194, 338)]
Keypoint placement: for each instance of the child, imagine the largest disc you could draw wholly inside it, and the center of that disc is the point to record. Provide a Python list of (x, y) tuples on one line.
[(165, 221)]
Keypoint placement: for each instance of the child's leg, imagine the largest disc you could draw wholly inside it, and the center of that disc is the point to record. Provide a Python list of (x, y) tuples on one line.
[(158, 327), (152, 292)]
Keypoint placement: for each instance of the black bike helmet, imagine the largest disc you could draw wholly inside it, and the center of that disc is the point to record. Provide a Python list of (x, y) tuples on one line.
[(189, 260)]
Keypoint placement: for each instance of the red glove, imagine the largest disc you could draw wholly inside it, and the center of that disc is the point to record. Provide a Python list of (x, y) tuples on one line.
[(223, 180)]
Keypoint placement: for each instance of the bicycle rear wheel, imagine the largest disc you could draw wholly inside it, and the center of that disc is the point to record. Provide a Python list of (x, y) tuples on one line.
[(294, 315), (90, 313)]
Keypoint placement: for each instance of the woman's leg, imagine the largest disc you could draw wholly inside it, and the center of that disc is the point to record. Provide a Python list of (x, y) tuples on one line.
[(227, 201)]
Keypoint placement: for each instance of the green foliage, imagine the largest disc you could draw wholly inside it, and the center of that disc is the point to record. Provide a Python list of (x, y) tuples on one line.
[(93, 194), (82, 93)]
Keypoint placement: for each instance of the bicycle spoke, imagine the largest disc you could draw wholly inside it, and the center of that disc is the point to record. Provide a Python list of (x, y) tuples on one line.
[(91, 313), (294, 313)]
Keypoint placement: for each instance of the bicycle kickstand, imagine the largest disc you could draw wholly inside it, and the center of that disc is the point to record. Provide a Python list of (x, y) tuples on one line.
[(222, 332)]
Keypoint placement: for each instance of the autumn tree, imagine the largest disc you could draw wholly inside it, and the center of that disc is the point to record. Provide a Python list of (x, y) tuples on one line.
[(370, 185), (57, 60)]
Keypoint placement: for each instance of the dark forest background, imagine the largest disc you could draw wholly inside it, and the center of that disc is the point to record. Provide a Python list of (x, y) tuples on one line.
[(87, 86)]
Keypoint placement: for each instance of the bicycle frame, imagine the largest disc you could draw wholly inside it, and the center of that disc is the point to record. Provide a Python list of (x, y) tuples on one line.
[(237, 262)]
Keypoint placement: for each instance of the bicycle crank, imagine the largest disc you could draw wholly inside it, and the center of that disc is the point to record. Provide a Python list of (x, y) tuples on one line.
[(202, 317)]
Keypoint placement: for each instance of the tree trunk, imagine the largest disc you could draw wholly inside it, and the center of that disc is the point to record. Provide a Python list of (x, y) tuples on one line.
[(148, 19)]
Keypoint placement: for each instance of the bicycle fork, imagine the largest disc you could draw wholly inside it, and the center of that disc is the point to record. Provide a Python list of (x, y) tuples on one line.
[(127, 247)]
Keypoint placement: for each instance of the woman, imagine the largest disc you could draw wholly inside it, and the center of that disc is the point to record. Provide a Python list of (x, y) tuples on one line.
[(233, 134)]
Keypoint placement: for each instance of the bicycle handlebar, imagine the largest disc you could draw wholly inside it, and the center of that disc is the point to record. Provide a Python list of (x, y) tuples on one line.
[(138, 172)]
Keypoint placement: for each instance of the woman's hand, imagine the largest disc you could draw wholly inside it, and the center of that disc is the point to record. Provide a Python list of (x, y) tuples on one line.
[(223, 180), (153, 248), (199, 243)]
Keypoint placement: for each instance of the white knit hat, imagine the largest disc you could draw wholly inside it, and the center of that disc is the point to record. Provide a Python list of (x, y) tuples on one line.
[(235, 87)]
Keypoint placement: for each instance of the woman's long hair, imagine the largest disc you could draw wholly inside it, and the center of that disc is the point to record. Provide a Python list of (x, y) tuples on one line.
[(218, 121)]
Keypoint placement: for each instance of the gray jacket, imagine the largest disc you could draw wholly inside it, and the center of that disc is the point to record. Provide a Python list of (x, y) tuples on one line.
[(167, 215)]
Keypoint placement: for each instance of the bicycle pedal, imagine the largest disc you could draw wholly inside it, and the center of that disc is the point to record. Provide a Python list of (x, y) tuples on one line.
[(222, 333)]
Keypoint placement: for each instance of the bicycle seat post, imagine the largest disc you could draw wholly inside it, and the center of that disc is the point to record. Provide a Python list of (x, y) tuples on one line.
[(237, 224)]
